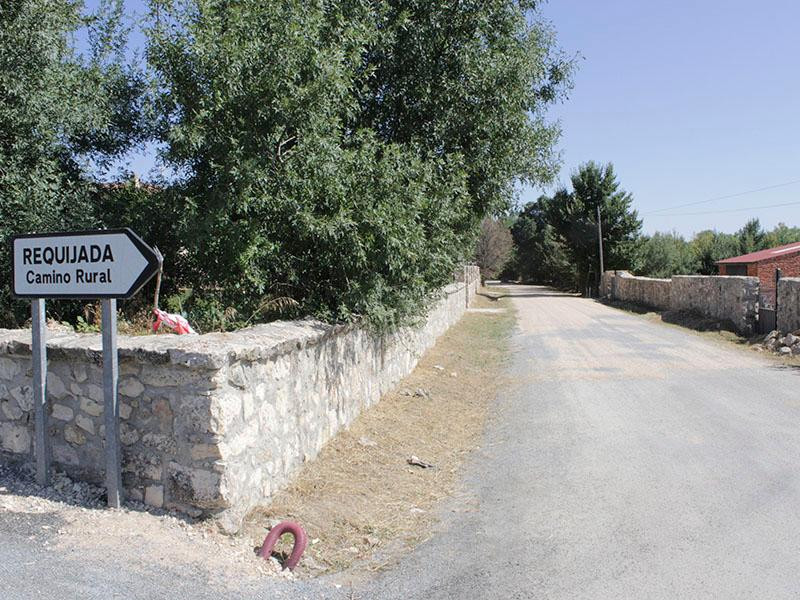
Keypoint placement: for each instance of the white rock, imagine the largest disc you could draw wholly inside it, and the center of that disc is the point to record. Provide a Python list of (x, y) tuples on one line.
[(131, 387), (85, 423), (15, 438), (8, 369), (24, 396), (11, 409), (62, 413), (95, 392), (154, 495), (124, 410), (55, 387), (90, 407)]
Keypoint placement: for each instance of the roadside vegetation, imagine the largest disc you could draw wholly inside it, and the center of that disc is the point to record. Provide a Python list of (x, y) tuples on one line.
[(360, 500), (332, 159), (555, 238)]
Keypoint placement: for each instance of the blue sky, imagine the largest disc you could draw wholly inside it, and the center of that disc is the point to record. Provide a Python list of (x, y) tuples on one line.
[(689, 100)]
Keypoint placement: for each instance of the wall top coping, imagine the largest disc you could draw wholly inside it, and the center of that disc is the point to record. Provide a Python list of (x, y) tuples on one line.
[(722, 277), (206, 351)]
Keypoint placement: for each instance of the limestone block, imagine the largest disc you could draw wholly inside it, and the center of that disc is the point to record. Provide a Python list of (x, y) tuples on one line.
[(166, 377), (85, 423), (124, 410), (91, 407), (11, 409), (8, 369), (131, 387), (55, 387), (15, 438), (95, 392), (79, 372), (154, 495), (206, 451), (74, 435), (197, 487), (62, 413), (24, 396)]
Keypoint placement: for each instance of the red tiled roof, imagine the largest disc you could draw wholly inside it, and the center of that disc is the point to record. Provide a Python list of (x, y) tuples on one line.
[(769, 253)]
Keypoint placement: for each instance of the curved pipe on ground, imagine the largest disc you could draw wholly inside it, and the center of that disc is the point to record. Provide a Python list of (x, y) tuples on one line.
[(300, 542)]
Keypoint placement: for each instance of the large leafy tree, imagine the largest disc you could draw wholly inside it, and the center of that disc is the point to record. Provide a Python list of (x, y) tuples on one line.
[(538, 254), (664, 255), (573, 216), (709, 246), (342, 154), (780, 235), (59, 109)]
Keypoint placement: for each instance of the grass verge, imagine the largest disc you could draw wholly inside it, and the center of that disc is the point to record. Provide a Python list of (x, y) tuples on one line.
[(359, 500)]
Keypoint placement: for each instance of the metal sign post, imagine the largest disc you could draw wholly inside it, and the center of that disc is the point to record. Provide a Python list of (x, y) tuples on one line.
[(107, 264), (41, 444)]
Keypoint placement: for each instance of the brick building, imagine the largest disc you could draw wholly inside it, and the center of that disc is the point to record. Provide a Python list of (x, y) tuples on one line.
[(763, 264)]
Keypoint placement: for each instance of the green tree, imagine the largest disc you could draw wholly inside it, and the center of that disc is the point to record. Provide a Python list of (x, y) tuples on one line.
[(751, 237), (710, 246), (781, 235), (538, 256), (573, 216), (342, 154), (663, 255), (59, 112)]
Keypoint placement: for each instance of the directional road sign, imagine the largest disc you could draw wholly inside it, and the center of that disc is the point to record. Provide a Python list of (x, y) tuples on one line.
[(113, 263)]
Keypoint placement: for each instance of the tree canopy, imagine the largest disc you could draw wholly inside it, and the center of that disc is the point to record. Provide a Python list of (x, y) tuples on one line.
[(59, 109), (573, 217), (342, 154)]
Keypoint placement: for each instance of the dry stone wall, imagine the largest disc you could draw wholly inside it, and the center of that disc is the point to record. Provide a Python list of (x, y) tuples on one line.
[(654, 293), (789, 304), (732, 299), (214, 424)]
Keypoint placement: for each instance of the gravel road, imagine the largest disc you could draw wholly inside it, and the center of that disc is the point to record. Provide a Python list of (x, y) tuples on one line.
[(625, 459)]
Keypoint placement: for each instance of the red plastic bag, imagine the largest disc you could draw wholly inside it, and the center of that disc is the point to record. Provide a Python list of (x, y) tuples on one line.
[(175, 322)]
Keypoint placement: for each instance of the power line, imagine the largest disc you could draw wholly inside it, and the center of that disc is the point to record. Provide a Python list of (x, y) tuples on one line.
[(715, 212), (762, 189)]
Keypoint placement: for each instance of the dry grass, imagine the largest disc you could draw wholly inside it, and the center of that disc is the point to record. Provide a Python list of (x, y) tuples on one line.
[(359, 500)]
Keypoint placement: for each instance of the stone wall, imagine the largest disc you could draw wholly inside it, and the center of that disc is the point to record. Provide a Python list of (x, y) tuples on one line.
[(789, 304), (212, 425), (654, 293), (732, 299), (606, 283)]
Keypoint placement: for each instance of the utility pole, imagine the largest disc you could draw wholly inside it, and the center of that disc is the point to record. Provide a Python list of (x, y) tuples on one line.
[(600, 240)]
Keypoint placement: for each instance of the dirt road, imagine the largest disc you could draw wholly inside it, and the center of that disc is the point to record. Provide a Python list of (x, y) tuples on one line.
[(627, 459)]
